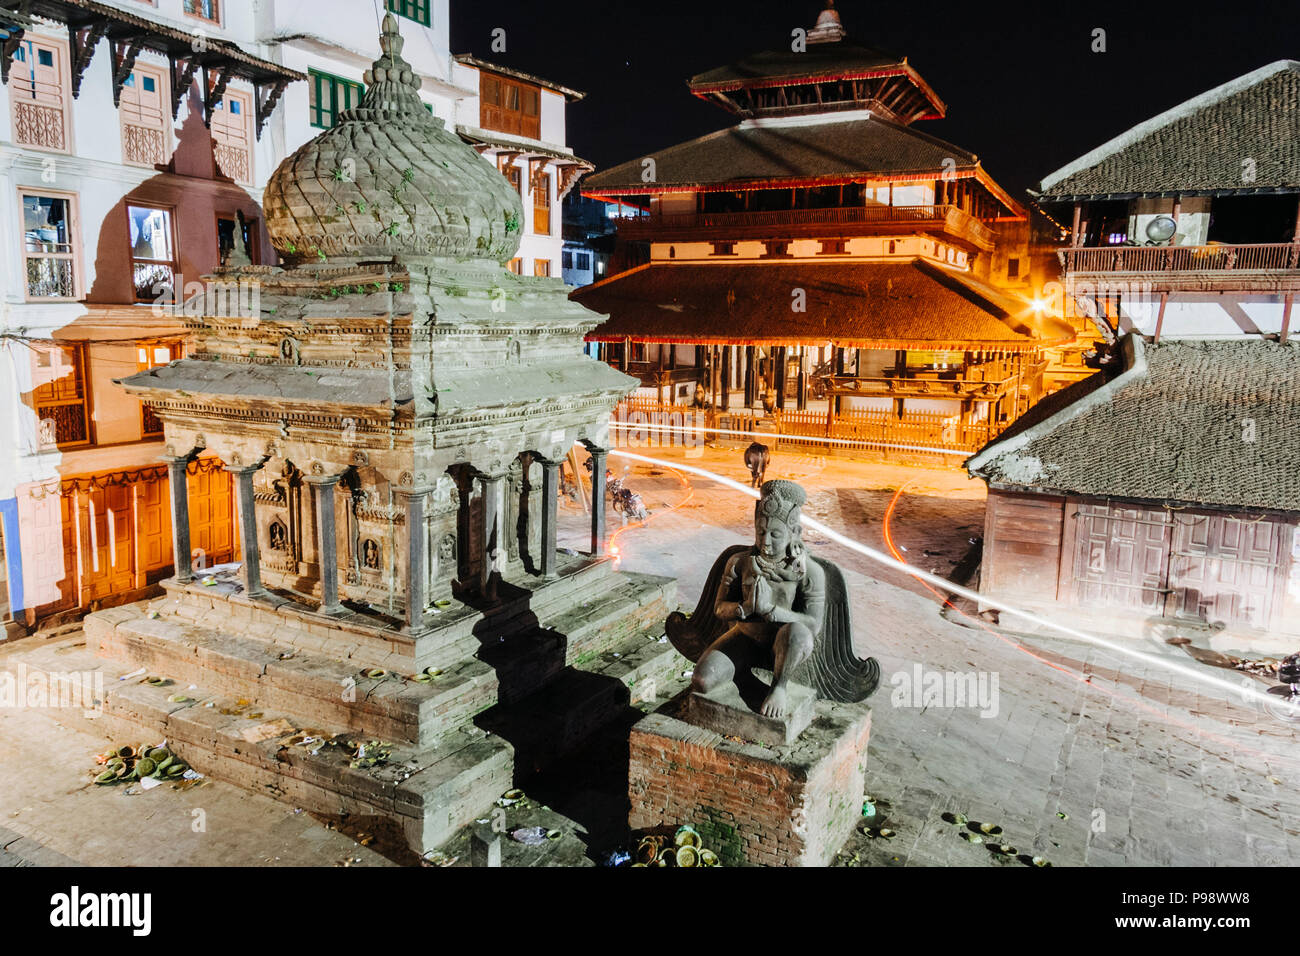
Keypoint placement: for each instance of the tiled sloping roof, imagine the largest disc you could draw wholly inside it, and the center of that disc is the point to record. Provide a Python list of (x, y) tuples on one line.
[(763, 151), (1200, 421), (869, 305), (1201, 144), (819, 59)]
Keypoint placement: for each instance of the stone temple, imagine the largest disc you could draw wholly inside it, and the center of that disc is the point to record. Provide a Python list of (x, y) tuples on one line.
[(394, 410)]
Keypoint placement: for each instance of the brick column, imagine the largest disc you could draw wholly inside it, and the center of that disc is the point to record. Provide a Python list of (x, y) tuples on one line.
[(327, 557), (550, 511), (417, 542), (248, 528), (178, 482), (598, 459)]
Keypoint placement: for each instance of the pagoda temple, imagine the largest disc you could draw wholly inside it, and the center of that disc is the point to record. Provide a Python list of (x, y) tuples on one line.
[(394, 413), (824, 251)]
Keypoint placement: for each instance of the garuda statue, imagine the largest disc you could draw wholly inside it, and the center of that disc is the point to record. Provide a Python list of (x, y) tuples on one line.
[(773, 605)]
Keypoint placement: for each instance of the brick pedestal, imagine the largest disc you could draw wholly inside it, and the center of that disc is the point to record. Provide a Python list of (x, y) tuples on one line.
[(790, 805)]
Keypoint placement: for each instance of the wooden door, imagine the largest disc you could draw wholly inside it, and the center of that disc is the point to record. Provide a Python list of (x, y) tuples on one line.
[(1121, 557), (1226, 569), (108, 560), (212, 521)]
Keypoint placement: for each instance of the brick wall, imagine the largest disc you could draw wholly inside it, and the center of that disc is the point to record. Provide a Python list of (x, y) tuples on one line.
[(755, 805)]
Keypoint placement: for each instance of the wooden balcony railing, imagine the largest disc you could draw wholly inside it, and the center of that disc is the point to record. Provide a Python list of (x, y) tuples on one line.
[(1261, 257), (951, 219)]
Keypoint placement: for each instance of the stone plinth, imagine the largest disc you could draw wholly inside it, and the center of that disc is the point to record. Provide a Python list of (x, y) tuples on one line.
[(724, 711), (791, 805)]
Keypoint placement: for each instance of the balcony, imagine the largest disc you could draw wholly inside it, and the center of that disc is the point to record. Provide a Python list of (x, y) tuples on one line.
[(1214, 258), (838, 223)]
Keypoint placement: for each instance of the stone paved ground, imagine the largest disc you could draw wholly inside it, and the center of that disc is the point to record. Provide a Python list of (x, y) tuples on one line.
[(1099, 762)]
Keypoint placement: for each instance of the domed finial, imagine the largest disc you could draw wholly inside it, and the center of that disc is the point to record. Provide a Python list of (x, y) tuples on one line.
[(390, 40), (391, 84)]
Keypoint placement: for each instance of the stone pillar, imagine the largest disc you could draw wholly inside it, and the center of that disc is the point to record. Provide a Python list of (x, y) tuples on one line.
[(178, 481), (598, 459), (248, 528), (550, 510), (492, 486), (417, 577), (327, 557)]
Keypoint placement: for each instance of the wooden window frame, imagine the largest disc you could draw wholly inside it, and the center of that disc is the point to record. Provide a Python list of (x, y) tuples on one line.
[(73, 256), (516, 265), (174, 261), (503, 117), (246, 107), (215, 21), (176, 350), (314, 79), (159, 75), (81, 362), (65, 86), (546, 263), (547, 210), (403, 8)]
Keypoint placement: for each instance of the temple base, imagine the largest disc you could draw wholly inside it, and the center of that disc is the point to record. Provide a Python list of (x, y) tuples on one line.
[(789, 805), (254, 688)]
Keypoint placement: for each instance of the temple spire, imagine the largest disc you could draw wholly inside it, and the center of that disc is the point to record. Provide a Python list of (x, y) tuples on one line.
[(391, 84)]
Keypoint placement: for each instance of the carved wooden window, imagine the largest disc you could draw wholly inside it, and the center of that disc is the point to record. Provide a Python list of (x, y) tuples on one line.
[(38, 87), (542, 205), (154, 355), (209, 10), (330, 95), (50, 245), (153, 252), (417, 10), (144, 114), (509, 106), (515, 177), (59, 396), (232, 133)]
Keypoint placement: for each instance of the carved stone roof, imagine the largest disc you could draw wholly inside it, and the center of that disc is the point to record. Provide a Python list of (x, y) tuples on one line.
[(389, 180)]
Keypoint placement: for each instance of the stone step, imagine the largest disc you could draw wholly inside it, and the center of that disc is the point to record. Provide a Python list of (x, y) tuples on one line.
[(273, 676), (428, 792), (373, 638), (333, 690)]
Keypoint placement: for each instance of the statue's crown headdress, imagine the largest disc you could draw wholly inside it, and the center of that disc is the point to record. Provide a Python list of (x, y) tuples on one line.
[(781, 499)]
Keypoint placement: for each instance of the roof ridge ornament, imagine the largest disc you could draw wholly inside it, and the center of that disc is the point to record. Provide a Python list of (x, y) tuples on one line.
[(828, 28)]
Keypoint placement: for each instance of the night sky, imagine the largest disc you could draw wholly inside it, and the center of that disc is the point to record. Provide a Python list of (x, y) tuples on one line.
[(1023, 89)]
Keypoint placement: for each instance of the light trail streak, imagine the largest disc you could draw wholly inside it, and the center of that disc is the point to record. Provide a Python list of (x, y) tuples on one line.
[(812, 439), (1241, 691)]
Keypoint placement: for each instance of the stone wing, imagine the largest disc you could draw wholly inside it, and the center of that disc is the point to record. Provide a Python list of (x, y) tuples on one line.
[(693, 635), (834, 670)]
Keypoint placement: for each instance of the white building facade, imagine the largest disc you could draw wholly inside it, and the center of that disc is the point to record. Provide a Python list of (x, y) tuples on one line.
[(134, 148)]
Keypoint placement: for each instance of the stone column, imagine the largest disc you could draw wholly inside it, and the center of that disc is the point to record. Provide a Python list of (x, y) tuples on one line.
[(248, 528), (178, 481), (417, 577), (550, 511), (492, 487), (327, 538), (598, 458)]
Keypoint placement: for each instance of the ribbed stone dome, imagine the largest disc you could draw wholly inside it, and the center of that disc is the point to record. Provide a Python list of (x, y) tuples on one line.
[(390, 179)]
